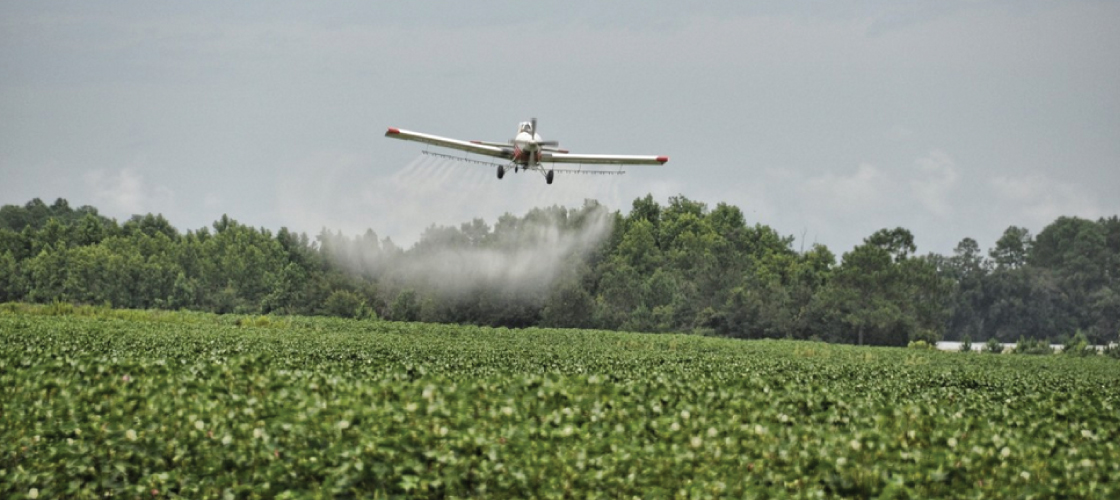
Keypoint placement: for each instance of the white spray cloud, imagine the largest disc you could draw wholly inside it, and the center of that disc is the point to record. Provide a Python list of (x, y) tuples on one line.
[(519, 255), (520, 239)]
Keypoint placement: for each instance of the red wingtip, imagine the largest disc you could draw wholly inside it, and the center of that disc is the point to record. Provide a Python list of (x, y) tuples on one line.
[(662, 159), (476, 142), (393, 131)]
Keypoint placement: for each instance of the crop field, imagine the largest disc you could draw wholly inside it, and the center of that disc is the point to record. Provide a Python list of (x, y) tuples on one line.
[(135, 404)]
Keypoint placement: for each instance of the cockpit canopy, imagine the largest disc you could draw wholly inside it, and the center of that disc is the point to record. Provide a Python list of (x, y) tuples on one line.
[(525, 127)]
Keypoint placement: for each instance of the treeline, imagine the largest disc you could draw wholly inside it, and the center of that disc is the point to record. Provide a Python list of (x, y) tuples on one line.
[(677, 267), (56, 253)]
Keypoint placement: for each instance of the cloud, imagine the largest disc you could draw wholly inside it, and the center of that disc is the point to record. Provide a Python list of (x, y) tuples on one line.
[(870, 190), (124, 191), (899, 133), (1043, 199), (937, 184), (842, 206), (211, 201), (866, 188)]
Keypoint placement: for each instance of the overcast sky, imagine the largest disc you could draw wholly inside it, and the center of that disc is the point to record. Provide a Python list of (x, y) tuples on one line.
[(825, 119)]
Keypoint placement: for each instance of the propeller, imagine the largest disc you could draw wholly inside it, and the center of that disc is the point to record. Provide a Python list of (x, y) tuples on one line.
[(533, 123)]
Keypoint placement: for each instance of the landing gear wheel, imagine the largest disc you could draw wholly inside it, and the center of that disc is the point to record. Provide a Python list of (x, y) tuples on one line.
[(548, 177), (516, 169), (501, 171)]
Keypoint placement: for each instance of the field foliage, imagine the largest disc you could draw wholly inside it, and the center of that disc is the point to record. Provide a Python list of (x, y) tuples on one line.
[(95, 402)]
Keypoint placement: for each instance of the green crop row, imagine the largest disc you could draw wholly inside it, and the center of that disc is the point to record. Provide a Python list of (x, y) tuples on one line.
[(204, 406)]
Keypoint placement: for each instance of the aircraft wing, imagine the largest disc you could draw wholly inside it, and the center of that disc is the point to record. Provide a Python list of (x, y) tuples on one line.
[(488, 149), (603, 159), (495, 144)]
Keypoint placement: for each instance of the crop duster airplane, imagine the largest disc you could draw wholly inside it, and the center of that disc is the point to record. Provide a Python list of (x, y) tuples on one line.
[(526, 151)]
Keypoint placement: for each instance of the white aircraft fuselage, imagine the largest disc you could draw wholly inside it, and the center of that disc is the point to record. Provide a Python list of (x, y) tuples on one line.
[(526, 144)]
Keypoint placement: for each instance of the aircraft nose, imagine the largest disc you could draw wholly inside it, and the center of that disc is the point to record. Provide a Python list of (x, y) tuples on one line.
[(526, 141)]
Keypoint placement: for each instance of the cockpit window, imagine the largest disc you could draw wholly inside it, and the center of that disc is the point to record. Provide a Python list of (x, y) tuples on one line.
[(525, 127)]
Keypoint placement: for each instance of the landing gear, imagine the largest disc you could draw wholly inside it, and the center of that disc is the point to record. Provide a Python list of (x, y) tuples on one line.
[(548, 175)]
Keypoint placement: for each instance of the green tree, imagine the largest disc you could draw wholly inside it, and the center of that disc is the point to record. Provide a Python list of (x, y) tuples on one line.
[(620, 295), (570, 304), (149, 225), (90, 230), (12, 286), (405, 307), (1104, 315), (183, 292), (1076, 247), (17, 243), (1012, 248), (1027, 302), (648, 210), (287, 291), (968, 270), (758, 311), (345, 304), (638, 248), (46, 274), (95, 274), (53, 235), (883, 296)]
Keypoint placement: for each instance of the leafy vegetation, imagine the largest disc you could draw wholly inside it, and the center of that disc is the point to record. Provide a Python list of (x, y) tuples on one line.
[(1078, 345), (993, 346), (680, 267), (966, 344), (1031, 346), (98, 402)]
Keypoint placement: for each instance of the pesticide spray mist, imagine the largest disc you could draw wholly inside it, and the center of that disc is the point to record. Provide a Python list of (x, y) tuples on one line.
[(517, 258)]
